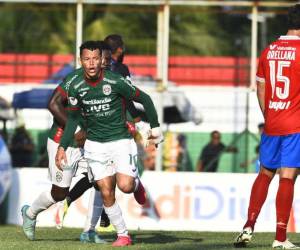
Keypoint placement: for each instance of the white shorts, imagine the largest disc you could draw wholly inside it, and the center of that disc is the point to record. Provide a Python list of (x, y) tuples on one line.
[(56, 176), (108, 158)]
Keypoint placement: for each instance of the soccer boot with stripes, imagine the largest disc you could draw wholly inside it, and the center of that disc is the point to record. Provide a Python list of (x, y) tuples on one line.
[(244, 237), (28, 224), (91, 237), (284, 245)]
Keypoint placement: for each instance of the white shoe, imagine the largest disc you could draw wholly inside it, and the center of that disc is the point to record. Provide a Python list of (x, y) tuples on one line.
[(244, 237), (284, 245)]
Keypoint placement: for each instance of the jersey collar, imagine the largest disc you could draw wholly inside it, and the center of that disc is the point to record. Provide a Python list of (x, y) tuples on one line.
[(289, 38), (95, 83)]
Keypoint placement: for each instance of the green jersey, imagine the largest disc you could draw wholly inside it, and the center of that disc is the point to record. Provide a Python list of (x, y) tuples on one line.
[(102, 104), (56, 131)]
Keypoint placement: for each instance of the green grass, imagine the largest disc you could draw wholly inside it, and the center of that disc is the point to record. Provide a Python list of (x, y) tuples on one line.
[(11, 237)]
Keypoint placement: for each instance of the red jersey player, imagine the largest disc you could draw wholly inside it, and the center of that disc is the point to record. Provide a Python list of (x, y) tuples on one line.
[(278, 91)]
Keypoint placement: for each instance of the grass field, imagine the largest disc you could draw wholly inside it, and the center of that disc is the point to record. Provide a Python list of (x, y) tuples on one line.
[(12, 237)]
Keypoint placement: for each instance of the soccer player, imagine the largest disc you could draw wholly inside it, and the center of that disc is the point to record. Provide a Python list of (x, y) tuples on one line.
[(278, 92), (111, 59), (109, 148), (61, 180), (95, 203)]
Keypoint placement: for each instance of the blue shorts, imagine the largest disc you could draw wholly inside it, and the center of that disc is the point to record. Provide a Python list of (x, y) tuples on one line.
[(280, 151)]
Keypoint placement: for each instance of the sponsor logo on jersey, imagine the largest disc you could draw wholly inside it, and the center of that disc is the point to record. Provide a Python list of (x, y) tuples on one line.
[(98, 108), (97, 101), (83, 89), (78, 85), (279, 105), (109, 80), (82, 94), (106, 89), (58, 176), (73, 100)]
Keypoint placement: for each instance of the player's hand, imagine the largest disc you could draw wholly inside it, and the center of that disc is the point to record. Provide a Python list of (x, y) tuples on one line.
[(156, 136), (144, 131), (60, 158), (80, 138)]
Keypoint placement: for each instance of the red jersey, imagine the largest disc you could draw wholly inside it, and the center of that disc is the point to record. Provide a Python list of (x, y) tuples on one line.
[(279, 69)]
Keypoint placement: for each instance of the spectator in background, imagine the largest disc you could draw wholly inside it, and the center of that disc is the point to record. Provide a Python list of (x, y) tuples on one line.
[(255, 162), (260, 127), (42, 161), (210, 154), (21, 147)]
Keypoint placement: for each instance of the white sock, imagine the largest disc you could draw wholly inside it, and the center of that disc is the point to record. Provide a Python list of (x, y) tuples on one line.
[(94, 210), (114, 214), (137, 183), (43, 202)]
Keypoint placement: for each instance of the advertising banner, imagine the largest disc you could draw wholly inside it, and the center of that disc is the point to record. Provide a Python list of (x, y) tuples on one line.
[(5, 170), (177, 201)]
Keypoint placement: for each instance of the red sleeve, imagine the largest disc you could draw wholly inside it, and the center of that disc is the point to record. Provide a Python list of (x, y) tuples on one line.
[(62, 92)]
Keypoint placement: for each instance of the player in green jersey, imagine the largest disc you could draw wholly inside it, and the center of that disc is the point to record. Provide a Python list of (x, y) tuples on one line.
[(61, 180), (109, 147), (111, 59)]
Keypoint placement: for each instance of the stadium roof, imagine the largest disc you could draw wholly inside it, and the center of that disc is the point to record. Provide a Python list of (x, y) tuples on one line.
[(169, 2)]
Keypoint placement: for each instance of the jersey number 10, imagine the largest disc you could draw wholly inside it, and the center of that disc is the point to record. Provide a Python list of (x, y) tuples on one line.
[(277, 76)]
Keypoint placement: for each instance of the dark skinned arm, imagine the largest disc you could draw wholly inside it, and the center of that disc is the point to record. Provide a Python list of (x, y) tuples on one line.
[(56, 106)]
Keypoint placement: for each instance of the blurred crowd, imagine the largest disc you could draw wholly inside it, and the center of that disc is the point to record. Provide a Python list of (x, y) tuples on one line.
[(25, 153)]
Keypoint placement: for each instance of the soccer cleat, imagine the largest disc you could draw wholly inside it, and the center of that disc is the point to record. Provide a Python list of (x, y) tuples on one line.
[(28, 224), (91, 237), (284, 245), (244, 237), (122, 241), (62, 209), (110, 228), (104, 222), (140, 194)]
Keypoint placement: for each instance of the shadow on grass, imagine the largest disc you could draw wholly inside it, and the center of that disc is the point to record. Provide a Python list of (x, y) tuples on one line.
[(162, 237)]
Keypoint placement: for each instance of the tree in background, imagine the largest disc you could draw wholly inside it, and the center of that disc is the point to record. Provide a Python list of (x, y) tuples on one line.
[(50, 28)]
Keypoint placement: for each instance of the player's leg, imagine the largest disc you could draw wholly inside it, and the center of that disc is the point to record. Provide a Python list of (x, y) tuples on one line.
[(78, 189), (95, 208), (99, 157), (61, 181), (126, 158), (269, 156), (258, 196), (284, 200), (113, 211), (291, 158)]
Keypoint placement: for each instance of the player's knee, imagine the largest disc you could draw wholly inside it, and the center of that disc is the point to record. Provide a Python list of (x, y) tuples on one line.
[(59, 194), (107, 194), (126, 187)]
